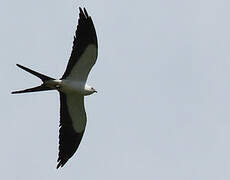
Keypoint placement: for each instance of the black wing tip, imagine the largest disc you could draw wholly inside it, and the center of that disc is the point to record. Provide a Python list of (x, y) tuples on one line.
[(86, 13), (60, 164), (80, 9), (83, 12)]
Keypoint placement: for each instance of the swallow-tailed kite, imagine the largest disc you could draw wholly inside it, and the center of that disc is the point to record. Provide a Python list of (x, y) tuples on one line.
[(72, 87)]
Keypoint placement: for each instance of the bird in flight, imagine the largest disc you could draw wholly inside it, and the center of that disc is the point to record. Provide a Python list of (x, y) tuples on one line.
[(72, 87)]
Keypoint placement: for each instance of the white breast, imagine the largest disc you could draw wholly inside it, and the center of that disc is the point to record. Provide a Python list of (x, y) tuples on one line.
[(69, 86)]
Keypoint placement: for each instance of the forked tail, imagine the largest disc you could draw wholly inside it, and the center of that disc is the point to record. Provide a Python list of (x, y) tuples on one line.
[(43, 77)]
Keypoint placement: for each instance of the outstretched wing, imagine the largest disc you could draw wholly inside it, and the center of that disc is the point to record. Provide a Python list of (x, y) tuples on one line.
[(85, 49), (72, 125)]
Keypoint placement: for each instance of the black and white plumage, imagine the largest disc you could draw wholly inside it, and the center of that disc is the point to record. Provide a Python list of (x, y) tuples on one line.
[(72, 87)]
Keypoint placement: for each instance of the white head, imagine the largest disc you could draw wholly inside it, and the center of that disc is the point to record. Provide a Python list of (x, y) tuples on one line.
[(89, 90)]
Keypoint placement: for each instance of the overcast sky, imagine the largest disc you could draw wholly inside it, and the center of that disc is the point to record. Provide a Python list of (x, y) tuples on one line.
[(163, 81)]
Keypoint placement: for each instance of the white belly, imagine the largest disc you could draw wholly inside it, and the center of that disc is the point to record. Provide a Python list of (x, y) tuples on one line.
[(68, 86)]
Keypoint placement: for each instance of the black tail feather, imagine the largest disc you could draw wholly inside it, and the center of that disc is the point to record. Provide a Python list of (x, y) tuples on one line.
[(34, 89), (43, 77), (42, 87)]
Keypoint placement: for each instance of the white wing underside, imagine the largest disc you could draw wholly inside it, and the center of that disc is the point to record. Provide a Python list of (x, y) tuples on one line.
[(83, 66), (76, 109)]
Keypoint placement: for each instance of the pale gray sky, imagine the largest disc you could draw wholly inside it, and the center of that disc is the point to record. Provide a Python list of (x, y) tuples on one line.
[(163, 77)]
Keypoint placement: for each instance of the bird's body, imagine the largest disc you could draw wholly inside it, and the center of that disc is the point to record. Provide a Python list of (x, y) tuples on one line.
[(72, 87)]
